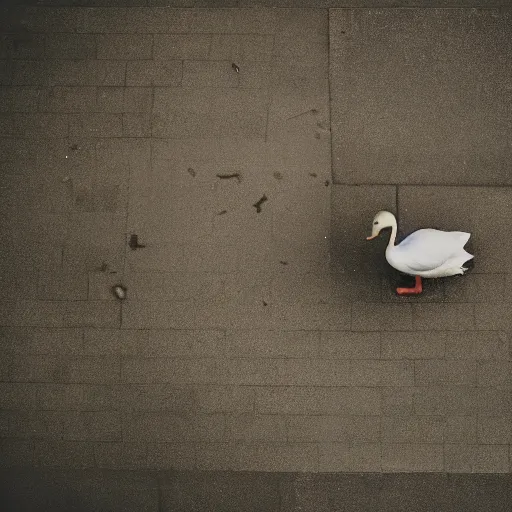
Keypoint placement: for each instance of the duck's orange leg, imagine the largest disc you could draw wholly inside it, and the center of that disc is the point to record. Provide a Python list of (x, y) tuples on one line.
[(416, 290)]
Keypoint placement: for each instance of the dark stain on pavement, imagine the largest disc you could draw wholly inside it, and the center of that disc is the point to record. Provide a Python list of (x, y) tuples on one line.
[(258, 204)]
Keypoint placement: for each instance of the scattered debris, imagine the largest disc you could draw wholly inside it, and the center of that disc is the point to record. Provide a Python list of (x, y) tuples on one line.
[(104, 267), (119, 291), (310, 111), (191, 172), (264, 303), (74, 147), (283, 262), (235, 67), (222, 212), (326, 183), (230, 176), (258, 204), (313, 174), (65, 179), (134, 243), (278, 176)]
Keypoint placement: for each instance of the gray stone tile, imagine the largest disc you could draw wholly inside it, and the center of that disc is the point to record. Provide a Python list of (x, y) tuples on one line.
[(353, 209), (6, 72), (325, 492), (422, 492), (19, 99), (435, 372), (228, 399), (482, 345), (16, 453), (250, 427), (447, 400), (413, 345), (159, 73), (209, 74), (41, 340), (460, 429), (163, 343), (350, 345), (444, 317), (167, 427), (349, 457), (71, 397), (61, 489), (124, 47), (375, 316), (64, 454), (182, 46), (339, 429), (316, 400), (418, 95), (96, 125), (494, 373), (257, 343), (25, 46), (277, 457), (55, 369), (472, 458), (17, 396), (492, 430), (178, 456), (231, 492), (70, 46), (414, 429), (40, 125), (241, 47), (121, 455), (407, 457), (173, 371), (65, 425), (398, 401)]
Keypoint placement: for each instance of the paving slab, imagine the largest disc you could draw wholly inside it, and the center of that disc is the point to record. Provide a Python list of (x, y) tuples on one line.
[(261, 330), (421, 96)]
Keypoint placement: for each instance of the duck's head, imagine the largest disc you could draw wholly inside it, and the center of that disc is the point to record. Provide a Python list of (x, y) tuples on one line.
[(381, 221)]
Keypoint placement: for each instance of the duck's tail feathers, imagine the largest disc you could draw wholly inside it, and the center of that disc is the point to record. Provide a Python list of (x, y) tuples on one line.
[(458, 261), (464, 237)]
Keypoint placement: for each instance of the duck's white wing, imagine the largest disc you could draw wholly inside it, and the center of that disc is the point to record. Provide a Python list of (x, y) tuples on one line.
[(427, 249)]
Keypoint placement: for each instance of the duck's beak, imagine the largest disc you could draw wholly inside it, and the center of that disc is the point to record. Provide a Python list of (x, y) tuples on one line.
[(371, 237)]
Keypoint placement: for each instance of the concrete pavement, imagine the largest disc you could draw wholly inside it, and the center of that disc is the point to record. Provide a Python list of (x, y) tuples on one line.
[(253, 340)]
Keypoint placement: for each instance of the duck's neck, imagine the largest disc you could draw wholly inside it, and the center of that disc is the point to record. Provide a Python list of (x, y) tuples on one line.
[(392, 238)]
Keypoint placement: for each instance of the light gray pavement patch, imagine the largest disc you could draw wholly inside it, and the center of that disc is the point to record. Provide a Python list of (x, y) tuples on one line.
[(421, 96)]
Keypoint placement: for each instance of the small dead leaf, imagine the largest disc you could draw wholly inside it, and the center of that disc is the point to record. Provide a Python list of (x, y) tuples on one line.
[(234, 175), (258, 204)]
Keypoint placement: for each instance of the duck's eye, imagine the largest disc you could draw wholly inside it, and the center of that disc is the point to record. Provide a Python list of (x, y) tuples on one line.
[(376, 222)]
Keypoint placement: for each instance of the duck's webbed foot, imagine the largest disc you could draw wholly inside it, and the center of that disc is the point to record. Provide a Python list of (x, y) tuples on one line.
[(416, 290)]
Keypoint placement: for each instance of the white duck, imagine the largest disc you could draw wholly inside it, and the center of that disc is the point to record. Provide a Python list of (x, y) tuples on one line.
[(424, 253)]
